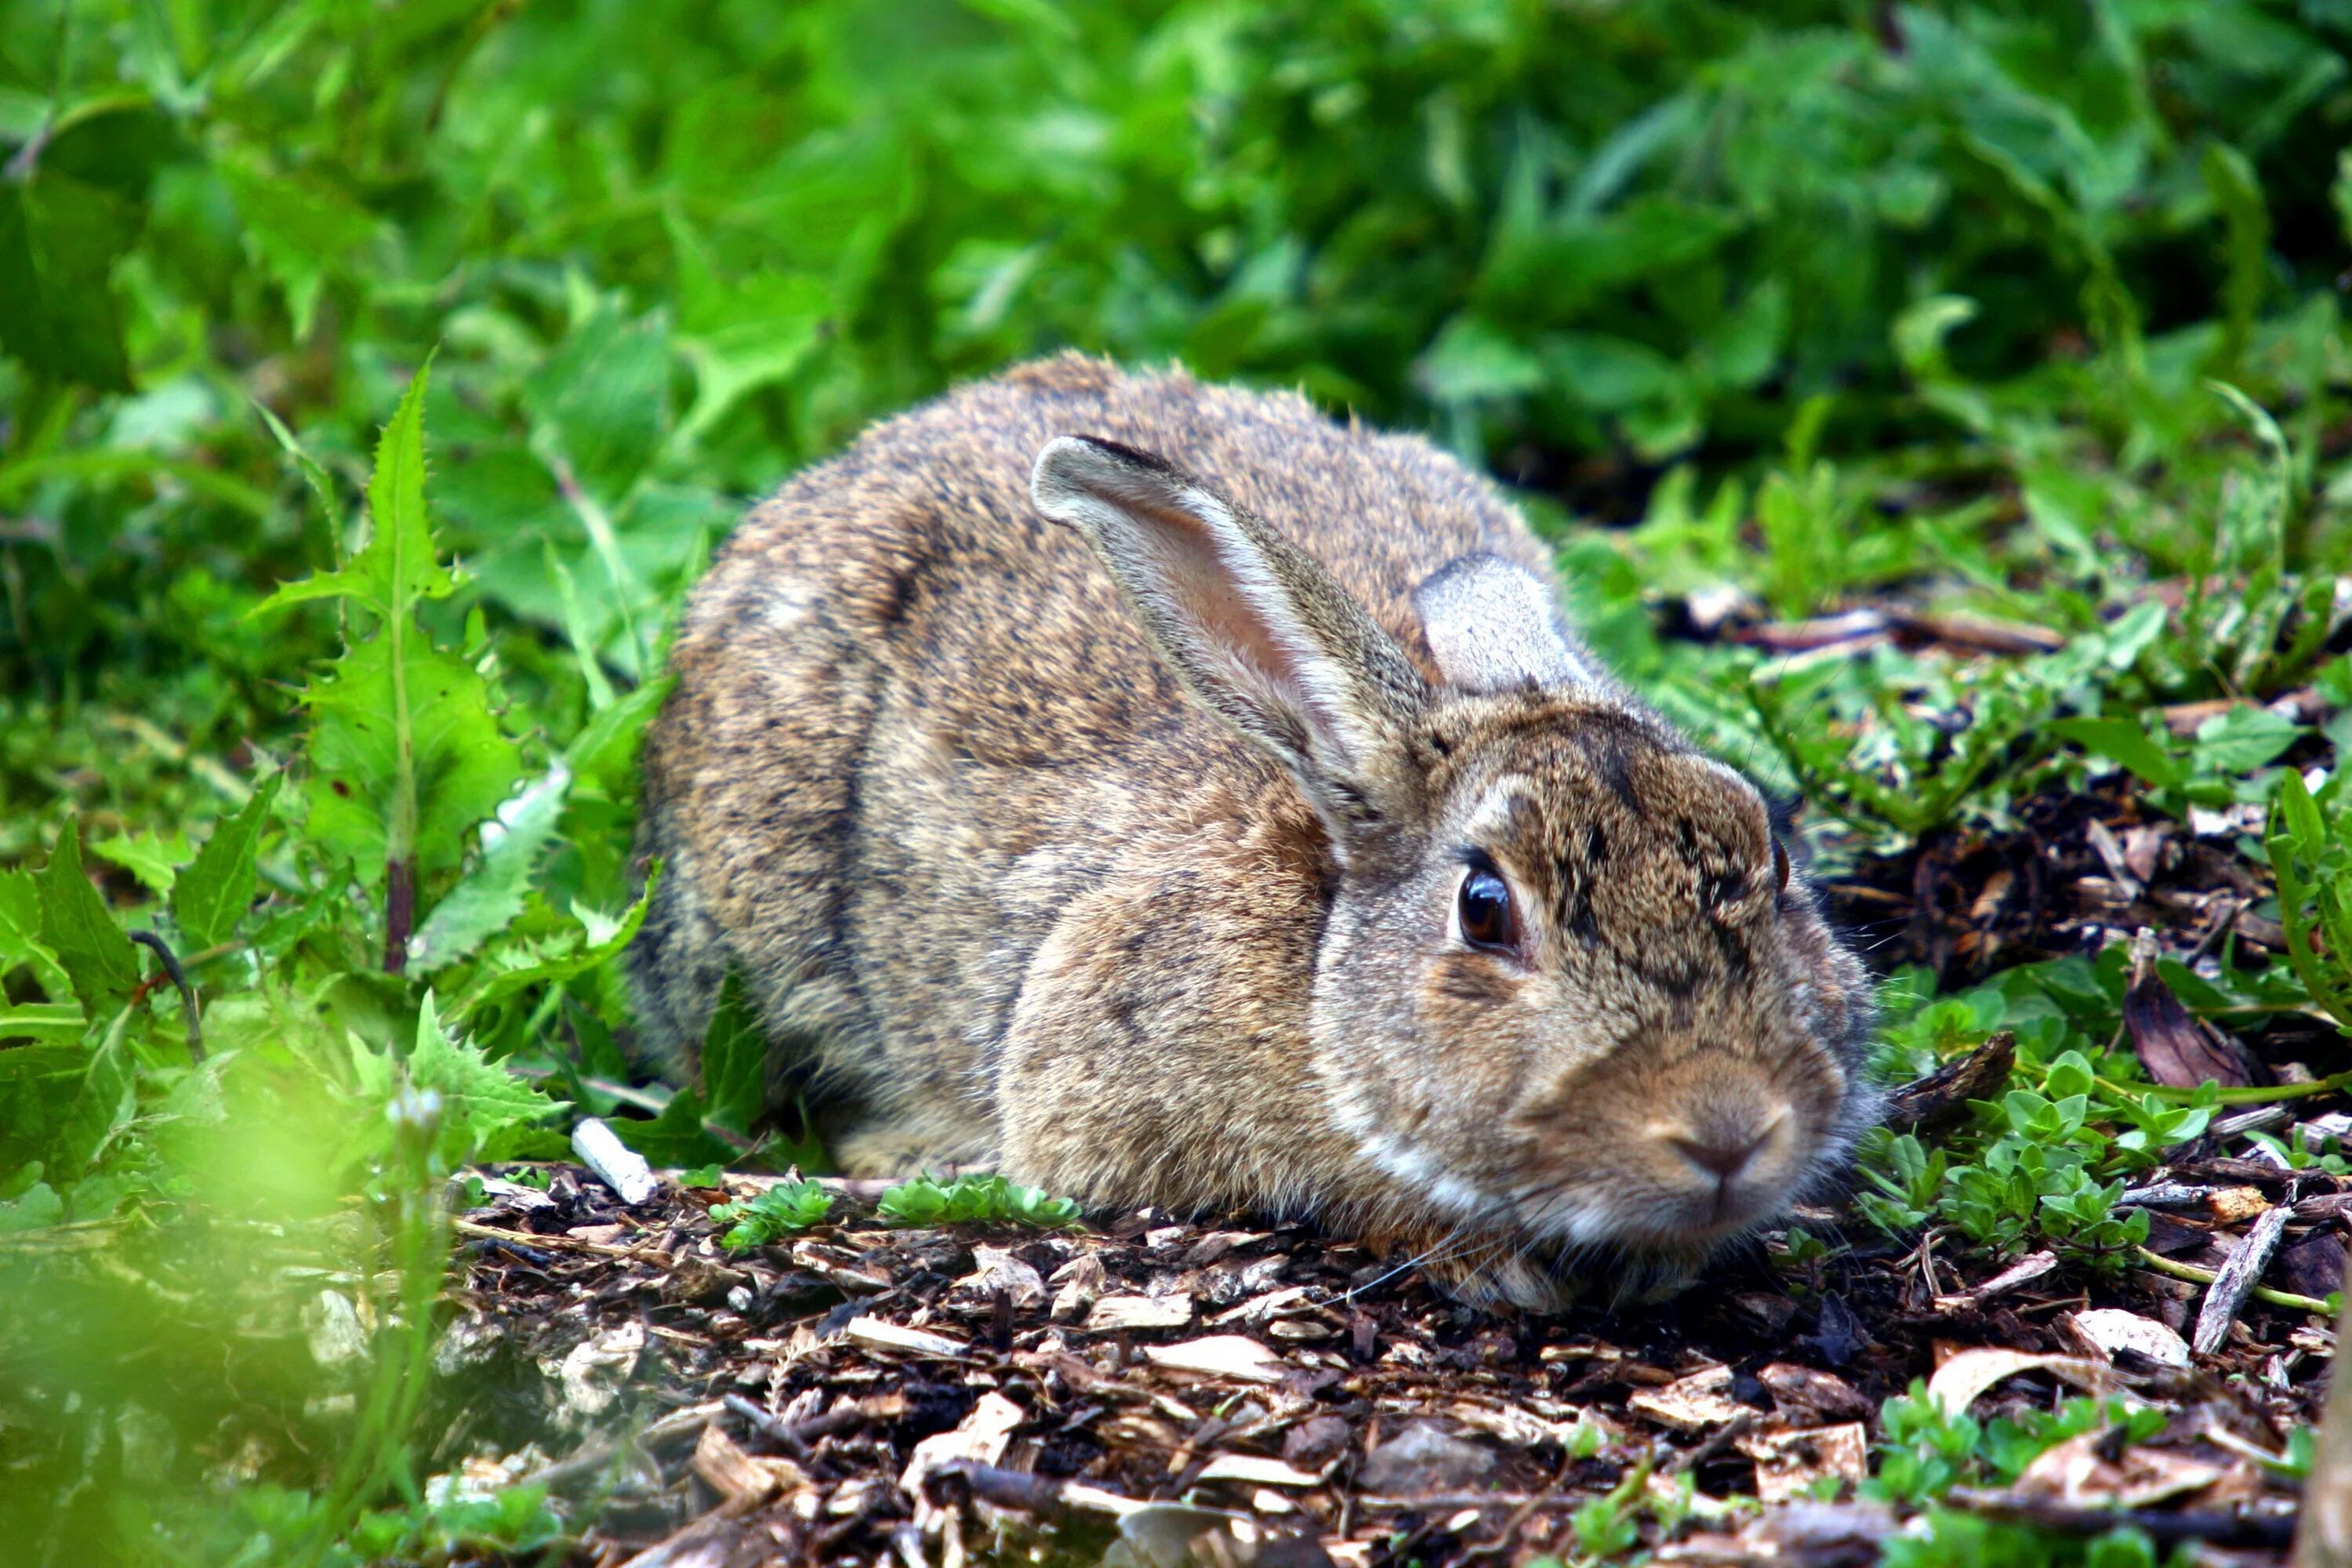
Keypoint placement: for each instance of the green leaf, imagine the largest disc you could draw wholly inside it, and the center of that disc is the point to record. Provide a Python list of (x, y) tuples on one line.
[(76, 926), (734, 1061), (2246, 222), (41, 1021), (300, 229), (603, 941), (603, 755), (2123, 741), (148, 856), (493, 893), (602, 400), (463, 765), (20, 935), (487, 1112), (396, 568), (677, 1137), (741, 336), (219, 887), (59, 239), (1473, 359), (979, 1198), (786, 1208), (2241, 739), (322, 485), (105, 1102), (36, 1209)]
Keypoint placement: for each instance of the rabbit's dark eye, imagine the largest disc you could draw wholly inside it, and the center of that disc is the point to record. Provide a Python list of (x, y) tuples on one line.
[(1485, 907), (1780, 866)]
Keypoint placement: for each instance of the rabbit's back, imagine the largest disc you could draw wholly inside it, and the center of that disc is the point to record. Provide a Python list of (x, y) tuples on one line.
[(912, 719)]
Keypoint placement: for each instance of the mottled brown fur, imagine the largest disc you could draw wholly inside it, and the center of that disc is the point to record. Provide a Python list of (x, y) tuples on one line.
[(1005, 892)]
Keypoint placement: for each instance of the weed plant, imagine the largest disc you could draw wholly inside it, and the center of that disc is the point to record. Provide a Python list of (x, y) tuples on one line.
[(373, 382)]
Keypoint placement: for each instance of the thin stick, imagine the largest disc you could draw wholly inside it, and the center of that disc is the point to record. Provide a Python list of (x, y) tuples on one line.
[(179, 976)]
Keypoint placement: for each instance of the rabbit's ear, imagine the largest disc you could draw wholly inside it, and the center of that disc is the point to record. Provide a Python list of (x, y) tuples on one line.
[(1492, 626), (1253, 626)]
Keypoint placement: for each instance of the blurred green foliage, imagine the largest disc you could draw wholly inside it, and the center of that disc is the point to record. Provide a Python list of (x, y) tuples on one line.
[(327, 673)]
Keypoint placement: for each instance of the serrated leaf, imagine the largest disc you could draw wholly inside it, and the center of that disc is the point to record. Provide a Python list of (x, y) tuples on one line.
[(734, 1061), (59, 239), (322, 485), (486, 1112), (36, 1209), (604, 940), (150, 857), (62, 1021), (464, 765), (677, 1137), (76, 926), (396, 567), (20, 935), (105, 1102), (2242, 739), (218, 888), (603, 755), (602, 400), (300, 229), (2123, 741), (492, 894)]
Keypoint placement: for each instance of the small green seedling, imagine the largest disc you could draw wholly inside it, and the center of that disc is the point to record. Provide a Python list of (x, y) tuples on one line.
[(786, 1208), (975, 1199)]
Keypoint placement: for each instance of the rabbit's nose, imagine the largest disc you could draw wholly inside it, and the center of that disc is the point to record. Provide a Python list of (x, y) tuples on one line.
[(1725, 1157), (1724, 1148)]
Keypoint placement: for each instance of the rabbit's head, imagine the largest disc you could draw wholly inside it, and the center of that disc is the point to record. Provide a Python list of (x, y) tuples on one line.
[(1568, 992)]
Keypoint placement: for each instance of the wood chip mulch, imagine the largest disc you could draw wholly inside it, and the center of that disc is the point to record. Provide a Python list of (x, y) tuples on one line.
[(1149, 1392)]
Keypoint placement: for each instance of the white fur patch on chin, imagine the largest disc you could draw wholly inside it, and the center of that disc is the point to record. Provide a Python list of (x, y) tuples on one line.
[(1411, 1168)]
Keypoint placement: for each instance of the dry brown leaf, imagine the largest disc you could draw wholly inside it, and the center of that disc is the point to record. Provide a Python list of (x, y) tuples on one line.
[(2111, 1329), (2172, 1045), (1075, 1284), (980, 1438), (1220, 1355), (2024, 1271), (1789, 1463), (1112, 1313), (742, 1481), (2234, 1206), (880, 1333), (1812, 1397), (1691, 1403), (1263, 1309), (995, 1269), (2079, 1474), (1965, 1377), (1256, 1471)]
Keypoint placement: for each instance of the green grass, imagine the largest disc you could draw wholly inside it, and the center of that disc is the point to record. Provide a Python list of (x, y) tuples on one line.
[(2004, 309)]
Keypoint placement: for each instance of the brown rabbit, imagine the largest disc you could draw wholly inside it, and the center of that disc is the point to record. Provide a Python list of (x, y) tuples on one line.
[(1246, 833)]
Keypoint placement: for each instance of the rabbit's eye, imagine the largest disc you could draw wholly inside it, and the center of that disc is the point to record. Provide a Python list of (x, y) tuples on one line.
[(1780, 866), (1485, 903)]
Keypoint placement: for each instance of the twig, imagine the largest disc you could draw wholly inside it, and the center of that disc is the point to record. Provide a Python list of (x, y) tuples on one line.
[(179, 977), (2157, 1263), (1946, 1093), (1526, 1510), (560, 1243), (769, 1427), (1722, 1438), (596, 1456), (2227, 1295)]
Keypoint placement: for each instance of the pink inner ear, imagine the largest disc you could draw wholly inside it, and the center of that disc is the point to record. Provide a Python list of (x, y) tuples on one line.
[(1203, 591)]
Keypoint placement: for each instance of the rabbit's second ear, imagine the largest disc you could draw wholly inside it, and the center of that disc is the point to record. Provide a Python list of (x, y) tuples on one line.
[(1259, 631), (1492, 626)]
